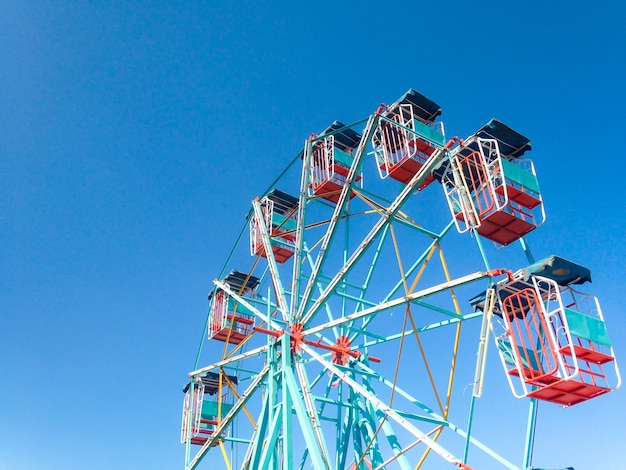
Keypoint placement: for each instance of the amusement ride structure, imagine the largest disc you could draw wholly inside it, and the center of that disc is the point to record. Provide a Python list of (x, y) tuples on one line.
[(333, 338)]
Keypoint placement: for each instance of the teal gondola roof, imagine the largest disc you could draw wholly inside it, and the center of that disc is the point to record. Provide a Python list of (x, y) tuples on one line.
[(239, 282), (512, 143), (284, 203), (424, 108), (211, 382), (560, 270), (345, 137)]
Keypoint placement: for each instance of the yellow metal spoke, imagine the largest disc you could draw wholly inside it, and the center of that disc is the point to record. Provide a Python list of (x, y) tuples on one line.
[(424, 358), (398, 258), (421, 270), (225, 455), (457, 337), (231, 385)]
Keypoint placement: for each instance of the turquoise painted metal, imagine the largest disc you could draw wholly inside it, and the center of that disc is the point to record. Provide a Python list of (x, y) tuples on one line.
[(354, 357)]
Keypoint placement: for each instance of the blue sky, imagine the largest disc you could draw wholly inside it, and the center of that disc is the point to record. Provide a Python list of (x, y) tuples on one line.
[(133, 138)]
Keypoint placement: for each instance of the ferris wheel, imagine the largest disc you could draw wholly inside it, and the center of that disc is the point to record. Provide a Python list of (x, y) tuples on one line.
[(359, 302)]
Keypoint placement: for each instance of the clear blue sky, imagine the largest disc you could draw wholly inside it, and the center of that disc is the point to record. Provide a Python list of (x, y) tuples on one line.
[(133, 137)]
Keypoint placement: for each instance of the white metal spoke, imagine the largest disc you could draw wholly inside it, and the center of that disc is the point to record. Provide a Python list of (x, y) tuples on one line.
[(380, 405), (267, 246)]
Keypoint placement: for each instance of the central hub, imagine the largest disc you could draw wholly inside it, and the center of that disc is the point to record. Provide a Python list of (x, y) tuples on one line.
[(296, 337)]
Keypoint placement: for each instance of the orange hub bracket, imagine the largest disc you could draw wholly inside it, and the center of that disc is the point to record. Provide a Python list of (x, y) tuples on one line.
[(296, 337), (342, 352)]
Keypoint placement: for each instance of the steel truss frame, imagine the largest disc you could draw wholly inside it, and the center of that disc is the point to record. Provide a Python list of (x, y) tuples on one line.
[(315, 393)]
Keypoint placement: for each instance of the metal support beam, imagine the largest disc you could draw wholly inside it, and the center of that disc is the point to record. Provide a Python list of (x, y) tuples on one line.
[(253, 455), (308, 423), (380, 405), (230, 360), (404, 300)]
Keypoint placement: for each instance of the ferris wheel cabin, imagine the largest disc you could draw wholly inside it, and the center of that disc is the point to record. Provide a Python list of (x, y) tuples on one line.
[(331, 160), (406, 136), (229, 320), (207, 400), (490, 188), (309, 363), (279, 212), (552, 339)]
